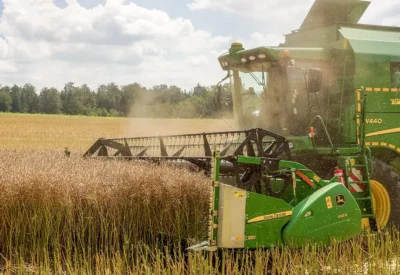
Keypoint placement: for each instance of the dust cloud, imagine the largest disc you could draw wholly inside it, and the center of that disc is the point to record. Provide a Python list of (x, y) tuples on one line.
[(138, 124)]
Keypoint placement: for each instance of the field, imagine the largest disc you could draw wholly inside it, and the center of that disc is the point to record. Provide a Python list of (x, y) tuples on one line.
[(62, 215), (20, 131)]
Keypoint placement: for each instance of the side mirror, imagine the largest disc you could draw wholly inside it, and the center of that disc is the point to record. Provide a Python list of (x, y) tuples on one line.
[(314, 80)]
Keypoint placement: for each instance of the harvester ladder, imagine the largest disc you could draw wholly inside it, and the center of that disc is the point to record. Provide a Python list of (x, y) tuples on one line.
[(357, 174)]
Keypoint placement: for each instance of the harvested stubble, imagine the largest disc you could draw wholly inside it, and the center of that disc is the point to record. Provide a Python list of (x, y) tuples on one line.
[(73, 216)]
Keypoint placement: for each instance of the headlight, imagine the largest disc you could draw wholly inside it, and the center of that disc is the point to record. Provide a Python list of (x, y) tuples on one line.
[(256, 113)]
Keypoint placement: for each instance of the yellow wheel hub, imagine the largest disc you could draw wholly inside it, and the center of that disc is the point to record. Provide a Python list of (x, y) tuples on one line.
[(380, 202)]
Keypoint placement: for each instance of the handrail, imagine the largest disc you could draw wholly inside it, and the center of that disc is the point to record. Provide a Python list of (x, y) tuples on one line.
[(329, 94), (342, 93), (370, 165), (325, 129), (362, 119)]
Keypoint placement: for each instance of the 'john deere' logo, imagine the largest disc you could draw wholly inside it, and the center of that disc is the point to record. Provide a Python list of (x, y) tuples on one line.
[(340, 200)]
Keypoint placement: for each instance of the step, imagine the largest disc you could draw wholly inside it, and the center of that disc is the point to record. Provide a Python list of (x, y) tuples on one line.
[(363, 199), (363, 182)]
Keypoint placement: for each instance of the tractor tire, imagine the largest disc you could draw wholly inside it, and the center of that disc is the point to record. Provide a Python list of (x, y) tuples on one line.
[(387, 215)]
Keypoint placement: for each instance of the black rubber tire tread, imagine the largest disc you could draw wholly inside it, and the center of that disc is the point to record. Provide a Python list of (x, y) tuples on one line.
[(385, 174)]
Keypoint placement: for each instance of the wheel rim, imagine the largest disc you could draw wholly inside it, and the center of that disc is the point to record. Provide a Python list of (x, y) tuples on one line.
[(381, 203)]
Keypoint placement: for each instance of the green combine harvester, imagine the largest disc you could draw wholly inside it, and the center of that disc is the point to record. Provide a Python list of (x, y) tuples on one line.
[(329, 99)]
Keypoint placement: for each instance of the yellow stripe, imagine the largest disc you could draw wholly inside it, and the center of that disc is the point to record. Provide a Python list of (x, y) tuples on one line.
[(370, 89), (375, 143), (271, 216), (398, 149), (388, 131), (359, 107), (383, 143), (392, 146), (358, 96), (367, 143)]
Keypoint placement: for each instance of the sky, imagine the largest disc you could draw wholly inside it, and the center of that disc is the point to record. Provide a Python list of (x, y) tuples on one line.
[(177, 42)]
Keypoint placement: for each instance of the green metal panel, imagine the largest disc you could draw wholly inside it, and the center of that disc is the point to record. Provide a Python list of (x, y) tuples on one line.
[(248, 160), (383, 101), (382, 124), (372, 73), (265, 218), (331, 212), (381, 44), (301, 144), (349, 125), (374, 49)]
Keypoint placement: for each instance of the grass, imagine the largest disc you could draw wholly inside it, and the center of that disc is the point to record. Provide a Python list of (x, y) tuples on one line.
[(62, 215)]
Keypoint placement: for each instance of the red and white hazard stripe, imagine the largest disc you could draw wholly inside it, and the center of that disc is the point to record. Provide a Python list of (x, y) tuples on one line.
[(355, 176)]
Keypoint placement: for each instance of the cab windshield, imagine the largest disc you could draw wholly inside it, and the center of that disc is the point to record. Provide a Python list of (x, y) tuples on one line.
[(272, 97)]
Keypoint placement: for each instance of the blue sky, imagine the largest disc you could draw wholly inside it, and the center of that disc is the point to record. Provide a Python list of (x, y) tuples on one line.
[(176, 42)]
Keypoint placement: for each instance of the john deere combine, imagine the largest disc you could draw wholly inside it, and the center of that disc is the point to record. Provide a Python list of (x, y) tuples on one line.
[(330, 100)]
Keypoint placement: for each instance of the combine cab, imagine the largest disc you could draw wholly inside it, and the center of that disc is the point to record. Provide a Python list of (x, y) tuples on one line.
[(329, 98)]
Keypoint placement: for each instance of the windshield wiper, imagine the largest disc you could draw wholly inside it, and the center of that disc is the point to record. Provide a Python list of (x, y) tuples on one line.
[(254, 76)]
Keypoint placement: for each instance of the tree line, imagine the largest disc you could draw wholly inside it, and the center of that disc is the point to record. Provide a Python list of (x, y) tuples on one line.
[(131, 100)]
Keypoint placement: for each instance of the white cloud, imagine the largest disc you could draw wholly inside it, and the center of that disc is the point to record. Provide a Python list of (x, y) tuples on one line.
[(117, 42), (258, 39), (281, 14), (382, 12), (286, 15), (7, 67)]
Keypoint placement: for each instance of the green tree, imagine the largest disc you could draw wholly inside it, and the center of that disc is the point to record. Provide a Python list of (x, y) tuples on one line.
[(86, 98), (129, 96), (185, 109), (199, 90), (50, 101), (162, 110), (175, 94), (29, 99), (199, 107), (5, 99), (78, 100), (16, 99), (109, 97), (69, 103)]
